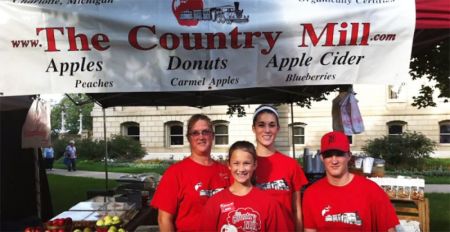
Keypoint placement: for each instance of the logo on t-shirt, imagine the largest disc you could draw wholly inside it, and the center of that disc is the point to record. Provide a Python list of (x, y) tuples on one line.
[(206, 192), (275, 185), (351, 218), (244, 219), (226, 207)]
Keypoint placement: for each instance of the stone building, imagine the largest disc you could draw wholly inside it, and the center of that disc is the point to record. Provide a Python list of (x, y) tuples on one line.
[(385, 110)]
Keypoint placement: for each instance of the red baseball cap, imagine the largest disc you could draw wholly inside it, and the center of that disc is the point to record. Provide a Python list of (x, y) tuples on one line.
[(335, 140)]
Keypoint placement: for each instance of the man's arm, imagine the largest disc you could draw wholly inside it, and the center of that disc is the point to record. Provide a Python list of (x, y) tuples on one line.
[(165, 221), (310, 230), (297, 210)]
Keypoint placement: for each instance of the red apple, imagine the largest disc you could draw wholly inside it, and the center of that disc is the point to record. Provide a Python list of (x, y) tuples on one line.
[(68, 220), (59, 222), (29, 229)]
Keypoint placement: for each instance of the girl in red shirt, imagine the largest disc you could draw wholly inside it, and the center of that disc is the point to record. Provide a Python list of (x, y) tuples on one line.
[(243, 207)]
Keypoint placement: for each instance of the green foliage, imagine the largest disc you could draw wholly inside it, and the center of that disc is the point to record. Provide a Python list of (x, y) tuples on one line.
[(401, 151), (72, 111), (119, 148), (125, 148), (433, 65)]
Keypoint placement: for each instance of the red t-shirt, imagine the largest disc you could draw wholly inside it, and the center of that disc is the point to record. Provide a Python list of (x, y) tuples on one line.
[(184, 189), (360, 205), (280, 176), (256, 211)]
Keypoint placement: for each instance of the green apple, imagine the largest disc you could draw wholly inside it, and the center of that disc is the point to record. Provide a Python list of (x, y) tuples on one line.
[(100, 222), (121, 230), (77, 230), (87, 229), (107, 217)]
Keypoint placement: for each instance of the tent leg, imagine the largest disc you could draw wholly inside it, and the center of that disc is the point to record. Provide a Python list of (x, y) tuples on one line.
[(37, 182), (292, 130), (106, 152)]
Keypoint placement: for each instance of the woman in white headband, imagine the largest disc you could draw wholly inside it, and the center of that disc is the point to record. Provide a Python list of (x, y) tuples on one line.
[(276, 173)]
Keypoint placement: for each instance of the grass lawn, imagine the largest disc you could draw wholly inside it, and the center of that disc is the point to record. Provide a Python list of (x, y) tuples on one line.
[(439, 211), (66, 191), (114, 167)]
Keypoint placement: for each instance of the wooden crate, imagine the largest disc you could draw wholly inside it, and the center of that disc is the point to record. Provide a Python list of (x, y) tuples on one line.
[(416, 210)]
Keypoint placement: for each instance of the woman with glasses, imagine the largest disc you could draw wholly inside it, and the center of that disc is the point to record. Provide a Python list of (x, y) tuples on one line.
[(278, 174), (187, 185)]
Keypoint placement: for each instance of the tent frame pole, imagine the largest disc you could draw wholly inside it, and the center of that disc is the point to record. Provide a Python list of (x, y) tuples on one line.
[(106, 152), (292, 130)]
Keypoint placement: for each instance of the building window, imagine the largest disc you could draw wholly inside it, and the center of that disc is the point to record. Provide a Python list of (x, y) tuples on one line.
[(396, 127), (444, 132), (350, 139), (130, 129), (396, 92), (174, 132), (298, 132), (221, 132)]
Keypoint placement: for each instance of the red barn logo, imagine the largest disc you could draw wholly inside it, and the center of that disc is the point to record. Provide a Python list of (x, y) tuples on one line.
[(191, 12)]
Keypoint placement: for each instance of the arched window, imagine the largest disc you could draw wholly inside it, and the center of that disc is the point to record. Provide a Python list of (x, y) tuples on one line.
[(444, 131), (396, 127), (298, 132), (221, 132), (130, 129), (174, 133)]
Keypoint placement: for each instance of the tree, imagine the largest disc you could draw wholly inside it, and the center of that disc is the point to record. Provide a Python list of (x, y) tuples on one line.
[(433, 64), (80, 104)]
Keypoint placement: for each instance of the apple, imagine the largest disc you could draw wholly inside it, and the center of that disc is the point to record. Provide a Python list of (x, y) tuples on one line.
[(68, 220), (77, 230), (59, 222), (87, 229), (100, 222), (29, 229), (121, 230)]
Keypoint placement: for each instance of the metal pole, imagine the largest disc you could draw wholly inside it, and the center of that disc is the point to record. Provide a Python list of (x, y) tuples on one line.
[(106, 151), (37, 182), (292, 130)]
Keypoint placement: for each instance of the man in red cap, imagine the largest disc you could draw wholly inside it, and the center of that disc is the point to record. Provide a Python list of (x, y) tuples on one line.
[(343, 201)]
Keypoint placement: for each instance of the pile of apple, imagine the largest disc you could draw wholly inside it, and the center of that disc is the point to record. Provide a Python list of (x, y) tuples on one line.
[(59, 225), (109, 224)]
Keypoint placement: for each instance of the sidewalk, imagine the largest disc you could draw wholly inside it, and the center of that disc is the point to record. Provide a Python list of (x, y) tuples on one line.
[(429, 188), (81, 173)]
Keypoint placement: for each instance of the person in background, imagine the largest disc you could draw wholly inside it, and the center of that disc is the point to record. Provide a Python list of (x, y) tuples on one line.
[(278, 174), (243, 207), (187, 185), (343, 201), (71, 155), (49, 155)]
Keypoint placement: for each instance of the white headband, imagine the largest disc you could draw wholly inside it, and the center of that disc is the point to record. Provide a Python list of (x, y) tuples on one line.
[(265, 108)]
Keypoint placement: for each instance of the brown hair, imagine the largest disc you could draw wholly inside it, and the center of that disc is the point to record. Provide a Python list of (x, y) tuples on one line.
[(265, 109), (195, 118), (247, 147)]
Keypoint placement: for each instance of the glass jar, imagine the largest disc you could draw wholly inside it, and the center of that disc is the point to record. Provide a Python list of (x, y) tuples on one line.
[(378, 170)]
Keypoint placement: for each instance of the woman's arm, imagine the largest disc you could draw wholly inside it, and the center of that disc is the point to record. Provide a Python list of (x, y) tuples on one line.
[(165, 221), (297, 210)]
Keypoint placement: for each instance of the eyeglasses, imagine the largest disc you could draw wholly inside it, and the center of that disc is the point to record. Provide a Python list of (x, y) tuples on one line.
[(331, 153), (203, 132)]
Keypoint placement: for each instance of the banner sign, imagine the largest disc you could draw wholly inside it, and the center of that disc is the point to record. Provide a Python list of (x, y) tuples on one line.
[(87, 46)]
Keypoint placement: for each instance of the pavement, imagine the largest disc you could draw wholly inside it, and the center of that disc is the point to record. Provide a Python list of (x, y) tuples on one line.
[(429, 188), (81, 173)]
